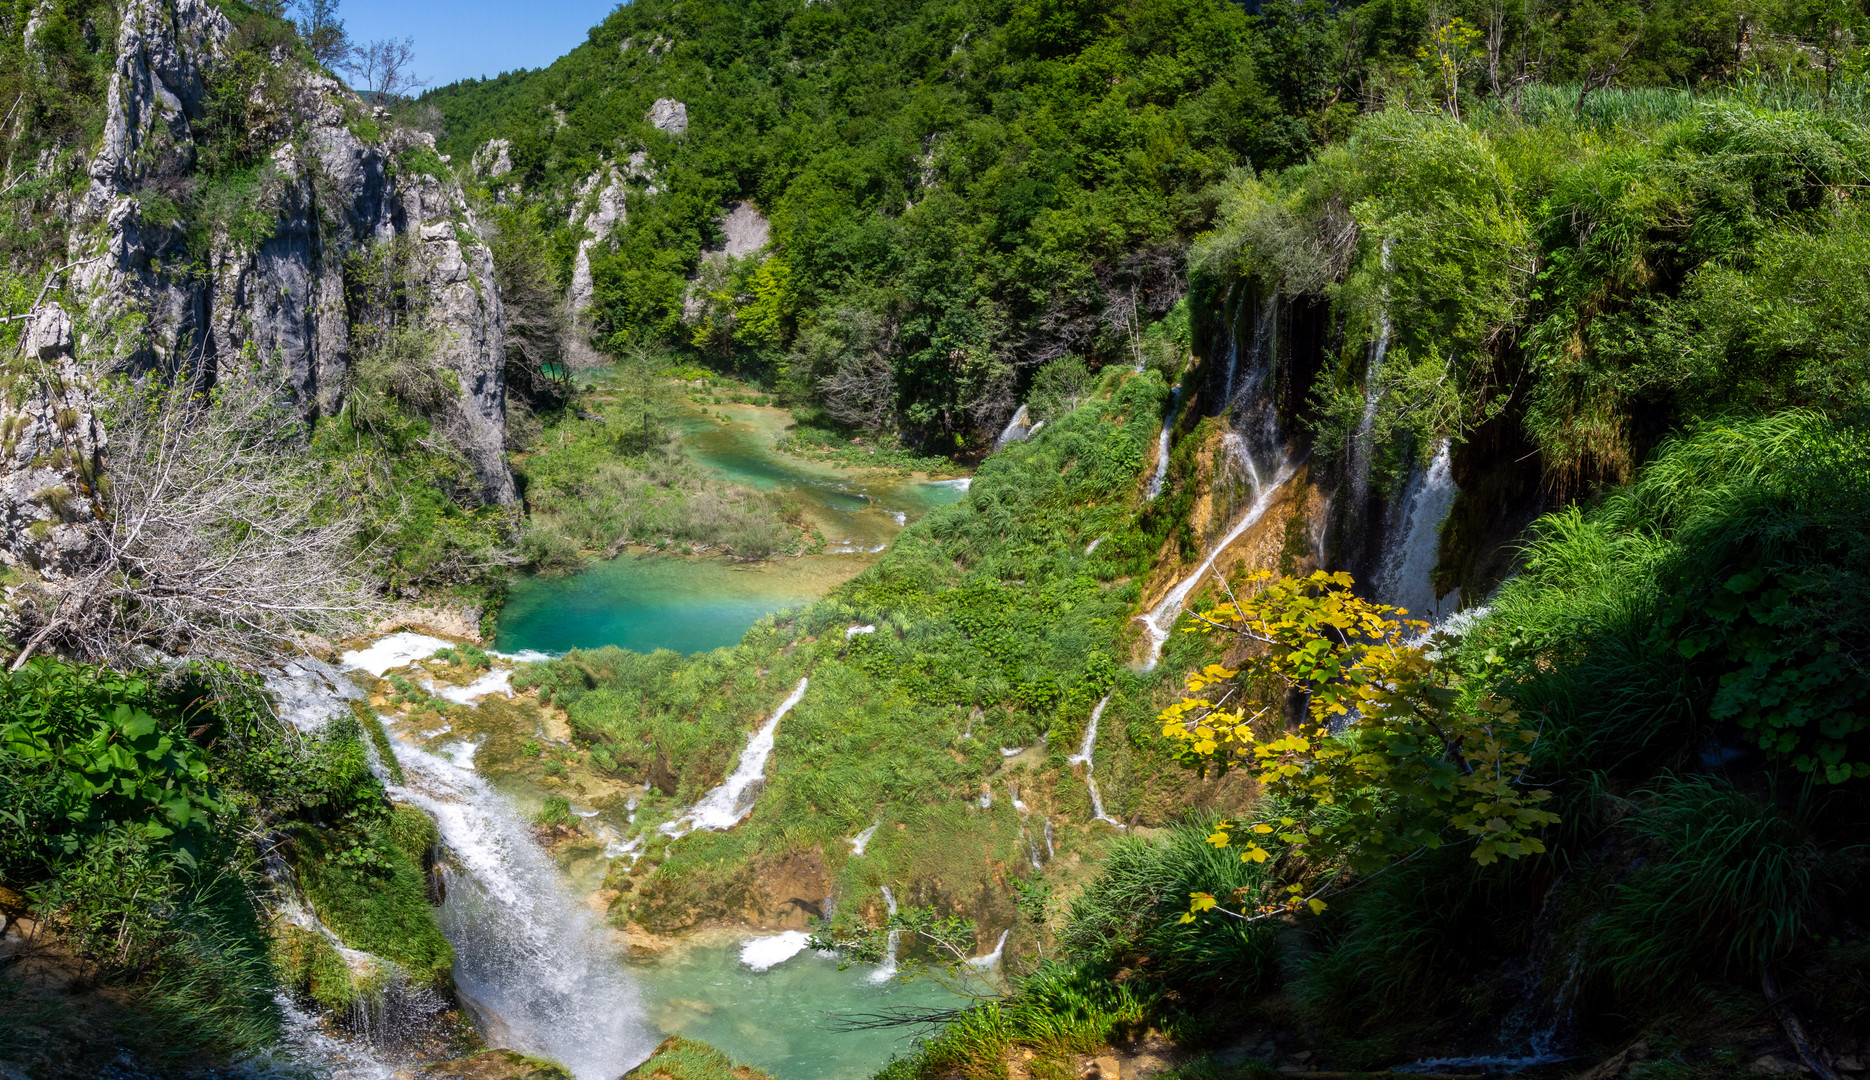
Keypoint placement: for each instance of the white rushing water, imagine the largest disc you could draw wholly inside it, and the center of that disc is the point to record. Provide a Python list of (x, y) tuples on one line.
[(992, 959), (309, 693), (1016, 429), (1162, 449), (1161, 620), (1083, 757), (862, 840), (393, 651), (724, 806), (887, 969), (494, 682), (533, 965), (1361, 449), (761, 953), (1413, 546)]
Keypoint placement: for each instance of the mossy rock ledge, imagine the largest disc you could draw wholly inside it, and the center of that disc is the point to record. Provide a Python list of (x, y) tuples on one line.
[(495, 1065), (684, 1059)]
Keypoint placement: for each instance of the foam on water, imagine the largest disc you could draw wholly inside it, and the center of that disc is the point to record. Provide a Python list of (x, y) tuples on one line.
[(394, 651), (724, 806), (761, 953), (853, 631), (494, 682)]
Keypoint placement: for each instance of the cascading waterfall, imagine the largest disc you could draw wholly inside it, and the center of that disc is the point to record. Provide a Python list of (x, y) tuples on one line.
[(1083, 757), (1016, 429), (887, 969), (724, 806), (533, 966), (992, 959), (1362, 450), (1230, 311), (1413, 545), (1161, 619), (1162, 452), (1251, 408)]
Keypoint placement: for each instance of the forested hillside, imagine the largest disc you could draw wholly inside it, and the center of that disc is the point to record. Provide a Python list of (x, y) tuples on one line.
[(960, 191)]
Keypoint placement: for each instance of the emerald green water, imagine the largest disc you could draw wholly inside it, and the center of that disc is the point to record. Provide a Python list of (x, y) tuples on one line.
[(650, 602), (645, 602), (778, 1020)]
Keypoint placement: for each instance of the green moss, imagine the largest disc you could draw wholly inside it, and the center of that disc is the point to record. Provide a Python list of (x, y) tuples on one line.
[(685, 1059), (368, 884)]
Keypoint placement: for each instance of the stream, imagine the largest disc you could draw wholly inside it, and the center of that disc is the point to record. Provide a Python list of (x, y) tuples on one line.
[(646, 601)]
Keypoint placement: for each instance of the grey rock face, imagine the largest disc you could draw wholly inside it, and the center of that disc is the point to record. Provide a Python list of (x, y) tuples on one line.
[(494, 159), (50, 441), (669, 115), (599, 208), (745, 232), (331, 197)]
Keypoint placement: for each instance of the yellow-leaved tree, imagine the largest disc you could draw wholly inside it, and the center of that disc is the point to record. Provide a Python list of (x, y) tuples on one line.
[(1370, 748)]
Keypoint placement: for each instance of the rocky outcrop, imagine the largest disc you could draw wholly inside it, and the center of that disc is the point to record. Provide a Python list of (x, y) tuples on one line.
[(494, 159), (51, 448), (336, 184), (744, 235), (669, 115), (597, 209)]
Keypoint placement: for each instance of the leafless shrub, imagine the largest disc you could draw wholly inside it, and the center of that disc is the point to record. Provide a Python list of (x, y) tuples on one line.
[(218, 536), (853, 350)]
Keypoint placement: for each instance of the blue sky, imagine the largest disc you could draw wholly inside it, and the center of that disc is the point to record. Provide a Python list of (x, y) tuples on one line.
[(461, 39)]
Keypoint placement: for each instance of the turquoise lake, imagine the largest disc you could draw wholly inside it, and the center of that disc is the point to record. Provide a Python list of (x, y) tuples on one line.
[(644, 602)]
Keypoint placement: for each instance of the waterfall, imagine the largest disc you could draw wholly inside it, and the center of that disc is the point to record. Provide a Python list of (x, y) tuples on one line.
[(887, 969), (724, 806), (1016, 429), (992, 959), (1083, 757), (534, 966), (1161, 620), (1162, 451), (1414, 544), (1251, 408), (1361, 450), (862, 840), (1233, 340)]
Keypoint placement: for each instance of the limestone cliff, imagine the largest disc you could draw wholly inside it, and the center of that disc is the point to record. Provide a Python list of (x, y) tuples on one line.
[(161, 286)]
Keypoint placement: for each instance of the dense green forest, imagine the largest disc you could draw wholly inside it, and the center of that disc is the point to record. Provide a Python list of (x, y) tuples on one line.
[(961, 191)]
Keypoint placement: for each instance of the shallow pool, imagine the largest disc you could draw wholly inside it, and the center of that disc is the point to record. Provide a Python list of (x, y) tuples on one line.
[(781, 1020)]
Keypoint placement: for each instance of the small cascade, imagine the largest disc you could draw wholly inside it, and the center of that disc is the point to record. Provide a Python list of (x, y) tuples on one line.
[(992, 959), (1362, 450), (1092, 546), (1083, 757), (724, 806), (1161, 620), (862, 840), (1162, 451), (1230, 311), (1413, 545), (533, 965), (1016, 429), (1049, 852), (887, 969), (309, 693), (1251, 407)]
